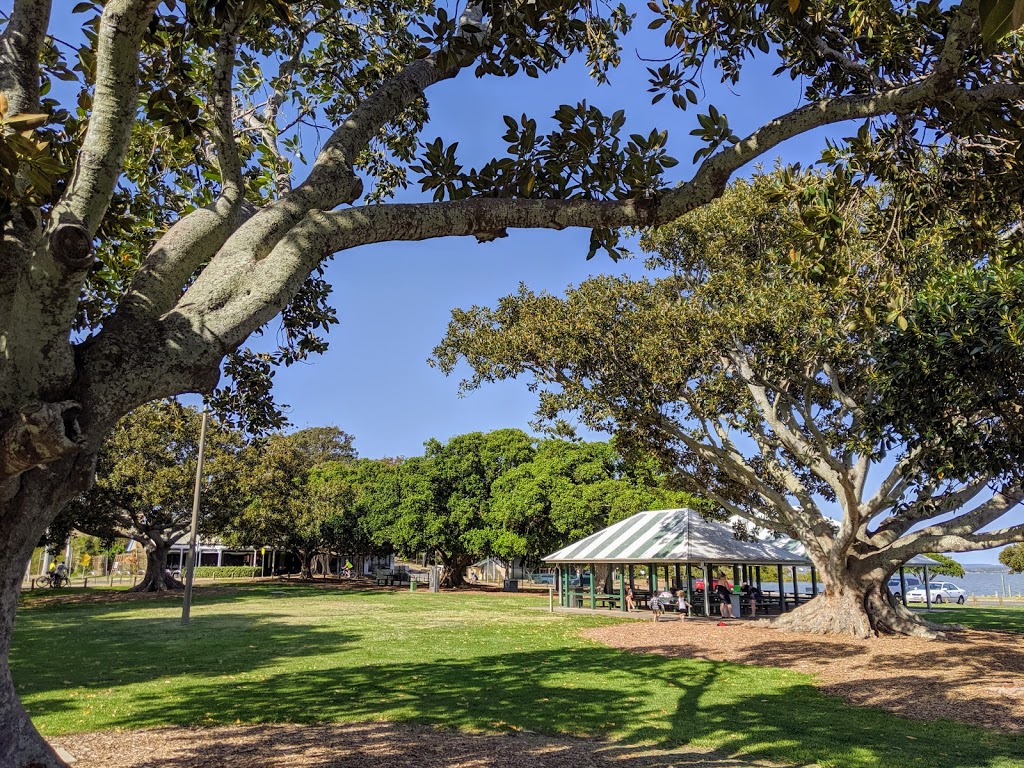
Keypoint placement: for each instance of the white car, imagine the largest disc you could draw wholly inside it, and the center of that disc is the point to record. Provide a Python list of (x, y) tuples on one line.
[(941, 592), (896, 587)]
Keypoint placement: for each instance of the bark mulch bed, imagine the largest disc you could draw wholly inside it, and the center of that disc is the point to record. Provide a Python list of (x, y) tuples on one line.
[(971, 676), (364, 745)]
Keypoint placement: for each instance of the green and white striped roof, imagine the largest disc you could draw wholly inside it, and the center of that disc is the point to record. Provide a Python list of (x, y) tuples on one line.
[(671, 536)]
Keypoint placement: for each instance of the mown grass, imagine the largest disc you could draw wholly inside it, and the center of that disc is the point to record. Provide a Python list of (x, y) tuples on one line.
[(485, 662), (1000, 619)]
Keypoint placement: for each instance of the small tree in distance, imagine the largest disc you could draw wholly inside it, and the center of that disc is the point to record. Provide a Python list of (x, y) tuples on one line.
[(145, 479), (1013, 558)]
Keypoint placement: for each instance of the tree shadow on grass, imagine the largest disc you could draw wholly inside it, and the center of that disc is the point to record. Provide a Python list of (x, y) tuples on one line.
[(143, 650), (996, 619), (633, 699), (908, 677)]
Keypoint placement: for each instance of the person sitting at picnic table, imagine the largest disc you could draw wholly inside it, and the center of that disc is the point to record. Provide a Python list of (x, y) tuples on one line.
[(630, 604), (682, 606), (753, 595), (725, 599)]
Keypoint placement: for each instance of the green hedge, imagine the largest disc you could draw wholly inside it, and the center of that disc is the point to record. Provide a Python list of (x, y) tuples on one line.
[(226, 572)]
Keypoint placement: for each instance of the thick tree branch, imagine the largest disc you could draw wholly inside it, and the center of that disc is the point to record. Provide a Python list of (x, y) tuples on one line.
[(927, 506), (892, 487), (100, 158), (20, 45), (196, 237), (222, 102), (960, 530)]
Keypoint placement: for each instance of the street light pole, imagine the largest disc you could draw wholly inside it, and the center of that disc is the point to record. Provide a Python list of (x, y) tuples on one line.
[(190, 562)]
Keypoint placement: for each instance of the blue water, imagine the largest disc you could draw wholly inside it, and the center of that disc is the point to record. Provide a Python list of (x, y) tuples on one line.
[(980, 583)]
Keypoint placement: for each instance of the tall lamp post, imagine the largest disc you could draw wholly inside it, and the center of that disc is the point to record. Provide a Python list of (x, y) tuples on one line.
[(190, 562)]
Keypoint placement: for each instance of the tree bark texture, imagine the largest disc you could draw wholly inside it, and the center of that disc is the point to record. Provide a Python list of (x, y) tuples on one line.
[(305, 563), (24, 521), (454, 569)]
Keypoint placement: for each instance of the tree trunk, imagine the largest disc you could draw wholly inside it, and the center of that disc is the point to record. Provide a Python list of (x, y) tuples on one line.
[(158, 577), (454, 569), (26, 511), (305, 563), (861, 607)]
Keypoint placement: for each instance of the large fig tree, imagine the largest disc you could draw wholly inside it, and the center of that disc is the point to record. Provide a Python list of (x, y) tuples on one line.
[(756, 361), (153, 216)]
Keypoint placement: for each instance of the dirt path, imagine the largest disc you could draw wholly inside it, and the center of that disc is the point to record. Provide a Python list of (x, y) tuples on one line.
[(365, 745)]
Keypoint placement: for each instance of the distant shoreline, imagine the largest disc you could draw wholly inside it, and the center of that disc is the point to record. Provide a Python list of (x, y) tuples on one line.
[(986, 567)]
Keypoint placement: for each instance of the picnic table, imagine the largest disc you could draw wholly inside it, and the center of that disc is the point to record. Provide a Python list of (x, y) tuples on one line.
[(391, 578), (601, 600)]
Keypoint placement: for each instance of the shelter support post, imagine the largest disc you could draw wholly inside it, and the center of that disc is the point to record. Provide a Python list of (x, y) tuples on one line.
[(630, 569), (814, 581), (707, 589), (903, 586), (689, 584), (622, 589), (593, 587), (652, 578), (796, 588), (927, 590), (782, 590)]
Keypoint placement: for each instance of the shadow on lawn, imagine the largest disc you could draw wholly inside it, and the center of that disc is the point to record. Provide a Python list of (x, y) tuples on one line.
[(578, 692), (148, 649), (986, 689)]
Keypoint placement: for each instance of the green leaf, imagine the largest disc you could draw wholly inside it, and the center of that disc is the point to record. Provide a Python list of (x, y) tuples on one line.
[(999, 18)]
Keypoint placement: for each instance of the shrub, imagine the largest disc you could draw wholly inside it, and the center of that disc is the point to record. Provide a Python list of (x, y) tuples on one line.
[(226, 571)]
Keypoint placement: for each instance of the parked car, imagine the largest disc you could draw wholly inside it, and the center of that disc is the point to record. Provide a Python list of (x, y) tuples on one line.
[(912, 582), (543, 578), (941, 592), (580, 581)]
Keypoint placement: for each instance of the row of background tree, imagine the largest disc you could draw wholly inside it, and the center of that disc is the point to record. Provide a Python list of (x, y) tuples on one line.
[(503, 493)]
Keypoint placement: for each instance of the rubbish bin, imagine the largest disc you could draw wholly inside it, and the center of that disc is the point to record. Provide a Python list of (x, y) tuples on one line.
[(412, 585), (511, 585)]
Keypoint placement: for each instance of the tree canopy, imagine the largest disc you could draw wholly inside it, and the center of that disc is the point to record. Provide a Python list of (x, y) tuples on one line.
[(443, 497), (296, 495), (748, 363), (1013, 558), (567, 491)]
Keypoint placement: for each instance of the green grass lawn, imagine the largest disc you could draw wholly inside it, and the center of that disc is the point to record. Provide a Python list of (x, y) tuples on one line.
[(488, 662), (1003, 619)]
